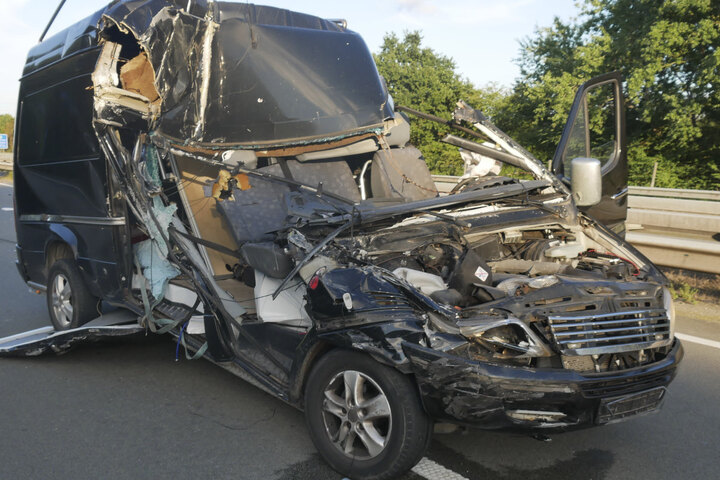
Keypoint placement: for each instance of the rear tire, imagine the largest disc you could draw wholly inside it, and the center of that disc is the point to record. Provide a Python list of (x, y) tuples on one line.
[(365, 419), (69, 301)]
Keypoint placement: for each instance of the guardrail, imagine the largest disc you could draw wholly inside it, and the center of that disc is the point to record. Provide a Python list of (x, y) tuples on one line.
[(676, 228), (673, 227), (6, 160)]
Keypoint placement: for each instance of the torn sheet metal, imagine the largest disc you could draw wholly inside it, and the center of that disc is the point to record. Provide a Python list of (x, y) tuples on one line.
[(36, 342), (290, 83), (172, 40)]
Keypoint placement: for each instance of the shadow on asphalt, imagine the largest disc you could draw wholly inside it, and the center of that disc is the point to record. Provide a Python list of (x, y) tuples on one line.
[(585, 464)]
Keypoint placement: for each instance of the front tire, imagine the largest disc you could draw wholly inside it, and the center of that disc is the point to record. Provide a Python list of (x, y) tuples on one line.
[(69, 301), (365, 418)]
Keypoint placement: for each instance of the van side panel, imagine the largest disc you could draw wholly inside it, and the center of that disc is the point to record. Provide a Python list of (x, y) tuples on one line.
[(61, 184), (62, 169)]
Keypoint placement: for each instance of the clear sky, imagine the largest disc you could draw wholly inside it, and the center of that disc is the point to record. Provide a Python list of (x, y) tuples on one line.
[(481, 35)]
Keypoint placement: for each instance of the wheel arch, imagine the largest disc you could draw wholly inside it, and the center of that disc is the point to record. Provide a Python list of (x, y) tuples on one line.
[(318, 350), (61, 244), (323, 347)]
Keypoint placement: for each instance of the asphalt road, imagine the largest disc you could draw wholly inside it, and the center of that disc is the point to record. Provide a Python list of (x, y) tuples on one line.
[(126, 410)]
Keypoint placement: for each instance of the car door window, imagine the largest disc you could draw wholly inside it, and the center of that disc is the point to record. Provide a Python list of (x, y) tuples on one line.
[(594, 129)]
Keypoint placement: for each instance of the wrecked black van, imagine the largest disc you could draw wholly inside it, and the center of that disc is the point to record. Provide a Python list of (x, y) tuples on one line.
[(238, 176)]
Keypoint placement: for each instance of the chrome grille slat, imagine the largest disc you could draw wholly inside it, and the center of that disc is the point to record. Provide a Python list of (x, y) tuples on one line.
[(615, 332), (591, 316), (605, 322), (612, 330), (613, 338)]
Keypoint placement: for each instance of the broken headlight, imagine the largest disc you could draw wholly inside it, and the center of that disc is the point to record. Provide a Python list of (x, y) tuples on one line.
[(502, 337)]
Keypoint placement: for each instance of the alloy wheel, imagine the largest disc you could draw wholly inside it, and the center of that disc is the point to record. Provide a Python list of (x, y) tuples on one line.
[(357, 415), (61, 300)]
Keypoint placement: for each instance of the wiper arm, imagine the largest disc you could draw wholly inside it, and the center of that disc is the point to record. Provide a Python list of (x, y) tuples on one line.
[(319, 192), (487, 151), (486, 195), (448, 218)]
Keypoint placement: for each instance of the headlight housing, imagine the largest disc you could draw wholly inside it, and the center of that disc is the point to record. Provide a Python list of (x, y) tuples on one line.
[(503, 337), (669, 305)]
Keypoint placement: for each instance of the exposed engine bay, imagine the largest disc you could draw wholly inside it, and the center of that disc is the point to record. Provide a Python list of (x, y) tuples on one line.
[(520, 295)]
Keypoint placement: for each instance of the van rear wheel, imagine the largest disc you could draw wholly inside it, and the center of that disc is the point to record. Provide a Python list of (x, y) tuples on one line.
[(69, 301)]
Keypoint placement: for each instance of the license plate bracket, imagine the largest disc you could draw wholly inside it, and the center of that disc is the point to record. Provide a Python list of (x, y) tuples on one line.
[(616, 409)]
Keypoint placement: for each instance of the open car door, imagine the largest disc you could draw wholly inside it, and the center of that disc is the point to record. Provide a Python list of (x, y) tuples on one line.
[(596, 129)]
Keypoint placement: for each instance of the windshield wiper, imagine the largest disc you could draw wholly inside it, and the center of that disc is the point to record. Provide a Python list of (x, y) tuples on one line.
[(449, 218), (372, 214)]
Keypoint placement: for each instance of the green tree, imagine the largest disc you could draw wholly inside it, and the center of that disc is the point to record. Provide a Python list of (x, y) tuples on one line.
[(420, 78), (7, 125), (668, 53)]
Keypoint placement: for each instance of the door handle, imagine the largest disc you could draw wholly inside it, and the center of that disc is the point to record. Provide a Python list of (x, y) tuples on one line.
[(620, 194)]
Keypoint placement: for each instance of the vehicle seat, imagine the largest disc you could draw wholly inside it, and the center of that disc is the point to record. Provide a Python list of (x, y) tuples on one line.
[(335, 176), (401, 173), (258, 211), (255, 213)]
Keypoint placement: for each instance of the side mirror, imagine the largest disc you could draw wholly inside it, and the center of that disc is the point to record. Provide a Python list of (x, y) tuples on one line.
[(586, 181)]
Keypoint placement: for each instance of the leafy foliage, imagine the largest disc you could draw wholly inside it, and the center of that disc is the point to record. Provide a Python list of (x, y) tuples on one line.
[(668, 53), (7, 125), (425, 80)]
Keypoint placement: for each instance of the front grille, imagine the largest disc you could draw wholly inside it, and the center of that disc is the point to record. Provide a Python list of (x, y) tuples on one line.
[(603, 333), (623, 386)]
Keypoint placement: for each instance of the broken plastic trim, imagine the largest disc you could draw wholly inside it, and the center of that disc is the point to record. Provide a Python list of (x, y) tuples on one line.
[(535, 347), (311, 254)]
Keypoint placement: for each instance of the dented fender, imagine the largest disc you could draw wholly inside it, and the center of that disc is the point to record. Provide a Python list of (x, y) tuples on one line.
[(382, 341)]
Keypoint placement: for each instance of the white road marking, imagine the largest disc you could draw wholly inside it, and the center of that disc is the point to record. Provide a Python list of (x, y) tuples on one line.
[(426, 468), (5, 185), (7, 209), (701, 341)]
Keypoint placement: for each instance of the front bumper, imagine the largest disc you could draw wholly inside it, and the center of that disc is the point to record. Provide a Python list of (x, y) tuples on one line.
[(485, 395)]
